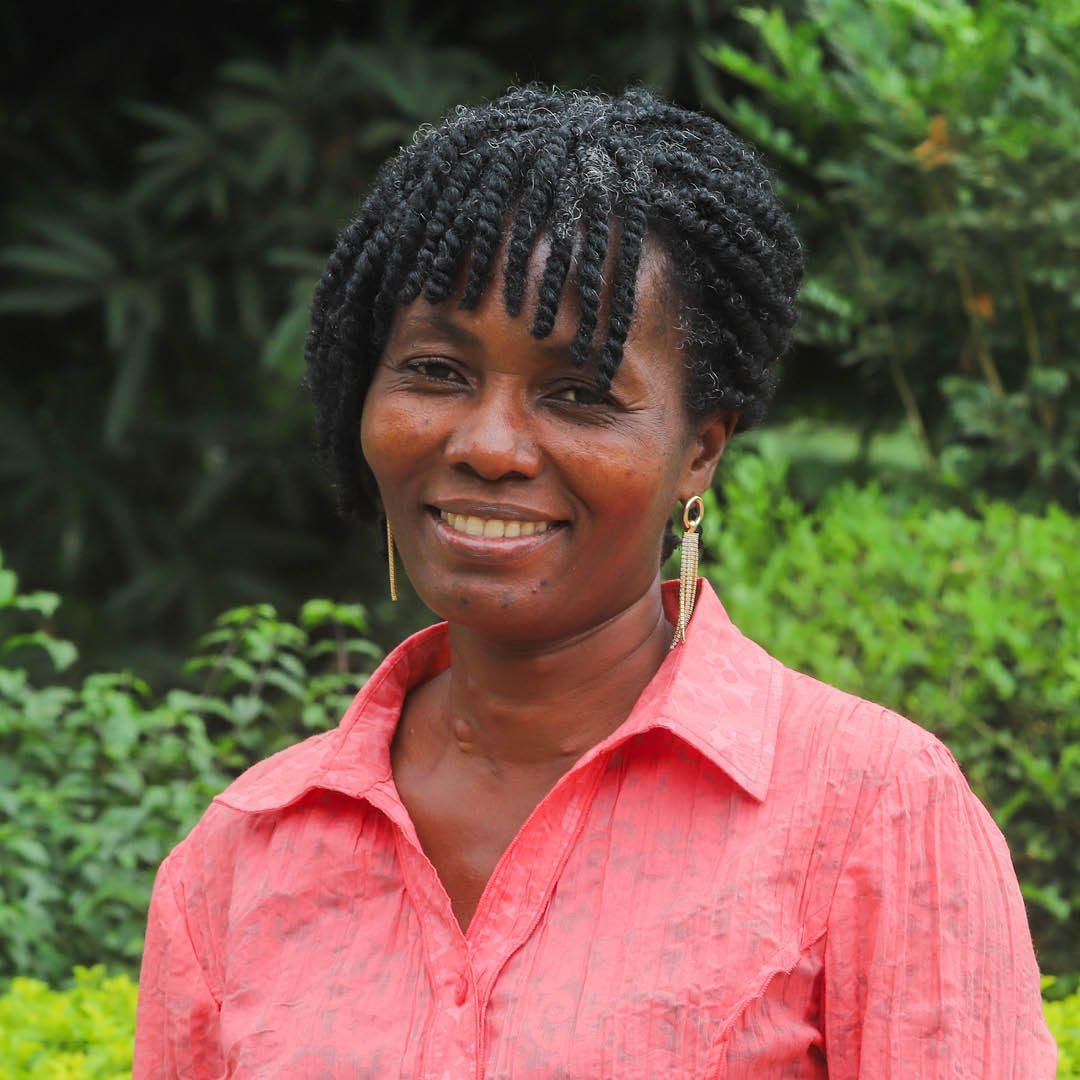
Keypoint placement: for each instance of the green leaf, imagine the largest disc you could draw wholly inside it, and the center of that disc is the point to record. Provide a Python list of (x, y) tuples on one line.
[(134, 365), (46, 300), (31, 850), (44, 603), (9, 587), (284, 348), (62, 653), (1047, 897)]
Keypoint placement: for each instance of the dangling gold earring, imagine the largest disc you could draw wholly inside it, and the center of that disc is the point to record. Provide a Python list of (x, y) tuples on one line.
[(693, 512), (390, 560)]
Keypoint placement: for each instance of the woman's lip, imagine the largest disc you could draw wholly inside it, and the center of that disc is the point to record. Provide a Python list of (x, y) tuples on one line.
[(492, 548), (499, 511)]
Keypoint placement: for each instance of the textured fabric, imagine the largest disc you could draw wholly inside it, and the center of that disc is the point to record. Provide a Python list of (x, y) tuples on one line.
[(753, 876)]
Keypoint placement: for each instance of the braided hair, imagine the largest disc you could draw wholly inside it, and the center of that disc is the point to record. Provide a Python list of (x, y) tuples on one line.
[(569, 166)]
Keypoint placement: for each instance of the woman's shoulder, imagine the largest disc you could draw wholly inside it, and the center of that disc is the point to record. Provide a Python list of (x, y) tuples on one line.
[(272, 784), (843, 743), (280, 779)]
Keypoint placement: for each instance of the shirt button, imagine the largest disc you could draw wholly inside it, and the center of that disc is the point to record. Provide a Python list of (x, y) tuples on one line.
[(461, 990)]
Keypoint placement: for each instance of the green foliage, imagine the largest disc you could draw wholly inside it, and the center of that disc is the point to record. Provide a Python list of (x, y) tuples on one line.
[(157, 256), (82, 1033), (1063, 1016), (173, 459), (100, 780), (967, 623), (931, 152)]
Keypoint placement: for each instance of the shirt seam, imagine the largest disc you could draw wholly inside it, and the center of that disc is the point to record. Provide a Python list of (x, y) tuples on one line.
[(782, 962), (181, 910), (893, 783)]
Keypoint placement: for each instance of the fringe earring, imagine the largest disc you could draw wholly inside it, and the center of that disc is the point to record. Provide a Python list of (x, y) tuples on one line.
[(693, 512), (390, 560)]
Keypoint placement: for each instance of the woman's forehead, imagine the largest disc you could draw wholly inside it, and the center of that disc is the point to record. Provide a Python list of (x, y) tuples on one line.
[(654, 343), (654, 309)]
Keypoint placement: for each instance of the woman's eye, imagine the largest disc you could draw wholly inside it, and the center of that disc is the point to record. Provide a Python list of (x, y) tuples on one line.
[(580, 395), (435, 370)]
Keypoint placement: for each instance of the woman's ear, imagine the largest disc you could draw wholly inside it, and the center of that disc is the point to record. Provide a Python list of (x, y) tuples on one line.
[(709, 436)]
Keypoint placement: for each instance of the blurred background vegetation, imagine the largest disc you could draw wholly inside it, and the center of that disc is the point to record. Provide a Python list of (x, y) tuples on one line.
[(173, 186), (905, 525)]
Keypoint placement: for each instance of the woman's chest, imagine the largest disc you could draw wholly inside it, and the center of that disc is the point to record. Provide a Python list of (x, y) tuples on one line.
[(464, 826), (626, 999), (464, 811), (615, 937), (603, 985)]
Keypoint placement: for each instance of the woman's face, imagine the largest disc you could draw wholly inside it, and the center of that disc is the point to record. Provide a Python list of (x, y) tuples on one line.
[(522, 504)]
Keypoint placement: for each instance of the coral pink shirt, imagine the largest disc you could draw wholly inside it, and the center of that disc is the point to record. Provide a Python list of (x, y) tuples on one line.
[(755, 875)]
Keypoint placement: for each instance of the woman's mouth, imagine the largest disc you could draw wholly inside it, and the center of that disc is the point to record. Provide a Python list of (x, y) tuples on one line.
[(492, 539), (495, 528)]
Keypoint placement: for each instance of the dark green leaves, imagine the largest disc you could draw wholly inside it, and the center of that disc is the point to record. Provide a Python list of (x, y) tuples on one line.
[(930, 153)]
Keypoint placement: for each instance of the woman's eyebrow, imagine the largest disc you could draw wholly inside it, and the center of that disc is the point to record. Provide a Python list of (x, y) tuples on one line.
[(443, 325), (557, 350)]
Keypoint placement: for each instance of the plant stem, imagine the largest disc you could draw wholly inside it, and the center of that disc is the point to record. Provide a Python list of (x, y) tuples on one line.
[(896, 366), (342, 652), (1031, 337), (967, 294), (219, 666)]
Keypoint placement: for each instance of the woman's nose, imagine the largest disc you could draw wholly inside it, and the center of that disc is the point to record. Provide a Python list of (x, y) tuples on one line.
[(493, 438)]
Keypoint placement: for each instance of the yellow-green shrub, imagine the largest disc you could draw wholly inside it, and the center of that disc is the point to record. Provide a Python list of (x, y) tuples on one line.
[(83, 1033), (1063, 1016)]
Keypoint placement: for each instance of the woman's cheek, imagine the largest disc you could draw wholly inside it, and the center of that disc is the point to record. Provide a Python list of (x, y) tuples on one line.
[(389, 436)]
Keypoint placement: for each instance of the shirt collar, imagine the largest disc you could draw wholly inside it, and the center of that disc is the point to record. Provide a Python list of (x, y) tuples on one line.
[(718, 691)]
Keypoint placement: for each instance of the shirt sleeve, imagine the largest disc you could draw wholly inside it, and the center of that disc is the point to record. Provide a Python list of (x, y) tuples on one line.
[(929, 966), (177, 1022)]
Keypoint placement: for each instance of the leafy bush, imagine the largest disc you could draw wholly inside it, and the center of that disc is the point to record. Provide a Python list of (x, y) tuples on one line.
[(99, 781), (931, 151), (158, 248), (969, 624), (82, 1033), (1063, 1016)]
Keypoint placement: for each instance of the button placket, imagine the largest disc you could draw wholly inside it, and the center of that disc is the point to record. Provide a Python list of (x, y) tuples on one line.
[(450, 1037), (518, 892), (461, 989), (561, 818)]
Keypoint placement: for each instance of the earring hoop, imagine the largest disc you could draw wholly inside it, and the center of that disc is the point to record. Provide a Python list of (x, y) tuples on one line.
[(693, 513)]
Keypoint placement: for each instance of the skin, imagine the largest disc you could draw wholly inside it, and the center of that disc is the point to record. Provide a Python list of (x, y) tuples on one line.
[(552, 638)]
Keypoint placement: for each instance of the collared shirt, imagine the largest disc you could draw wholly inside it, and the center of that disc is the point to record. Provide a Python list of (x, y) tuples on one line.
[(754, 876)]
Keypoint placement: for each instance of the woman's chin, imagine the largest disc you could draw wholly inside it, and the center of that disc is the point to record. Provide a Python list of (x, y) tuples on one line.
[(530, 612), (511, 612)]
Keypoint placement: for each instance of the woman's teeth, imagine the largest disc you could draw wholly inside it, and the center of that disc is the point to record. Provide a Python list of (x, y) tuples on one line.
[(475, 526)]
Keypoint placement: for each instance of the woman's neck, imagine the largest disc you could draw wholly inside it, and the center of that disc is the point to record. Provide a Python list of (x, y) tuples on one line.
[(542, 707)]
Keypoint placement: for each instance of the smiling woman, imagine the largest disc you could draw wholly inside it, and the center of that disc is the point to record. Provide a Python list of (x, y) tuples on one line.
[(511, 478), (553, 836)]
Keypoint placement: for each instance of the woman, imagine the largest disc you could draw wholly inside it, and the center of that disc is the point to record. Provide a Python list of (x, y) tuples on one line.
[(583, 828)]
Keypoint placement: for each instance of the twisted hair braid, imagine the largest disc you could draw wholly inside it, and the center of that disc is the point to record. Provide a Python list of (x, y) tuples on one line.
[(530, 217), (597, 176), (560, 254)]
